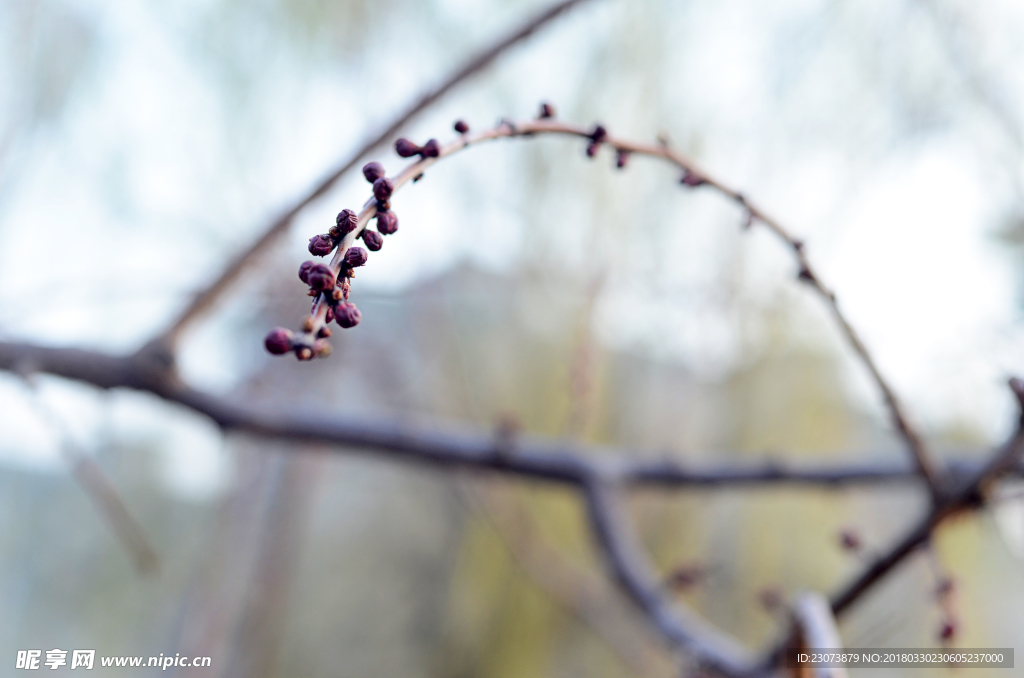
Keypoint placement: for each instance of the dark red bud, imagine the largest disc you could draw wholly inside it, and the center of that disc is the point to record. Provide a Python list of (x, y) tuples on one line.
[(546, 111), (321, 277), (692, 180), (278, 341), (461, 127), (849, 540), (325, 332), (356, 256), (948, 630), (373, 171), (592, 149), (406, 148), (347, 315), (374, 240), (320, 245), (431, 149), (621, 158), (599, 134), (387, 223), (329, 316), (304, 270), (383, 188), (347, 221)]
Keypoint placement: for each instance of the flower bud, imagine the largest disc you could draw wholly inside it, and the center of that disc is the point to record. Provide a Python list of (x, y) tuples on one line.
[(304, 353), (546, 111), (356, 256), (329, 316), (431, 149), (347, 315), (320, 245), (621, 158), (948, 630), (387, 222), (304, 270), (849, 540), (321, 277), (373, 171), (325, 332), (347, 221), (406, 148), (599, 134), (321, 348), (383, 188), (374, 241), (461, 127), (278, 341), (592, 149), (692, 180)]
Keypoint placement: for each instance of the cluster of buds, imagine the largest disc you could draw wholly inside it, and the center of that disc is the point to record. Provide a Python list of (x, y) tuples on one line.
[(331, 287), (597, 137)]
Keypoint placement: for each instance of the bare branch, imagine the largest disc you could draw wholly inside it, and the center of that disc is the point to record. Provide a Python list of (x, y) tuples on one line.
[(546, 460), (206, 298), (710, 648), (967, 492)]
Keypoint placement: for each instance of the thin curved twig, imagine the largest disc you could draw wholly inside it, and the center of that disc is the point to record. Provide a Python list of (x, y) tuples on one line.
[(693, 176)]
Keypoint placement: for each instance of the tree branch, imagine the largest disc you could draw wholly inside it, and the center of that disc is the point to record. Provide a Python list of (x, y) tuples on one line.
[(693, 176), (544, 460), (207, 297), (685, 631)]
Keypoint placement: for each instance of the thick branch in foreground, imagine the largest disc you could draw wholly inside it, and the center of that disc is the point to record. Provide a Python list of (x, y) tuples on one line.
[(540, 459), (206, 298), (816, 625)]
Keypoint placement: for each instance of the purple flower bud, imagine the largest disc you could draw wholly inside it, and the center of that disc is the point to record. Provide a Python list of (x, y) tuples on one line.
[(692, 180), (304, 270), (546, 111), (329, 316), (347, 221), (592, 148), (374, 240), (406, 148), (387, 222), (599, 134), (431, 149), (320, 245), (347, 315), (356, 256), (621, 158), (278, 341), (461, 127), (373, 171), (383, 188), (321, 277)]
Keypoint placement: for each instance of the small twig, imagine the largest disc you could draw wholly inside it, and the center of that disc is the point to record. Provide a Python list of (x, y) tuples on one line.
[(101, 490), (206, 298)]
